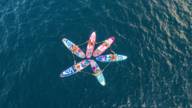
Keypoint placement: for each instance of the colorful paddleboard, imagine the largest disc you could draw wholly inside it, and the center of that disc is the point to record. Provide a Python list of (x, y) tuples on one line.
[(111, 58), (73, 48), (91, 45), (106, 44), (97, 72), (75, 68)]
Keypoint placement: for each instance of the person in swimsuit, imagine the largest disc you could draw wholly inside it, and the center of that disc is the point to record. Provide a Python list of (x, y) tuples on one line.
[(106, 44), (97, 71), (74, 48), (90, 44), (77, 67), (113, 57)]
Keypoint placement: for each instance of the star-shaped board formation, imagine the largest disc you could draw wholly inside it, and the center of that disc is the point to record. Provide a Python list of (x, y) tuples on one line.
[(97, 72)]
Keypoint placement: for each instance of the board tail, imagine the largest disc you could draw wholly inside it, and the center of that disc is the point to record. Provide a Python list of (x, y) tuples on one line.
[(101, 79)]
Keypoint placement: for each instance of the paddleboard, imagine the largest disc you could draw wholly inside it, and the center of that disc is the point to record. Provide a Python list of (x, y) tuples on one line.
[(111, 58), (73, 48), (74, 69), (91, 45), (106, 44)]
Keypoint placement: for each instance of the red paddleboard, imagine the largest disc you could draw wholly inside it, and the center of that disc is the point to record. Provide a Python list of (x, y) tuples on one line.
[(106, 44), (91, 45)]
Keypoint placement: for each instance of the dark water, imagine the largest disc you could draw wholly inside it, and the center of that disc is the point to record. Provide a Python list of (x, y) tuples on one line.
[(156, 35)]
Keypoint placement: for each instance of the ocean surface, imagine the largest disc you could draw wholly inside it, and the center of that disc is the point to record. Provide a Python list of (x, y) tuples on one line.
[(156, 35)]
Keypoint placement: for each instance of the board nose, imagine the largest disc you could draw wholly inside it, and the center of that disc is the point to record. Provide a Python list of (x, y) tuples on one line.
[(64, 39), (103, 83)]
